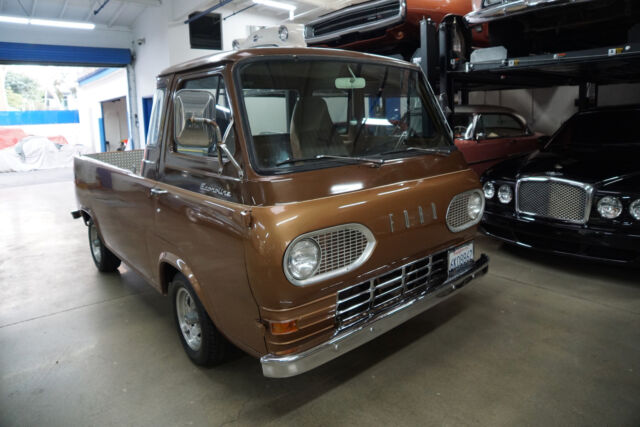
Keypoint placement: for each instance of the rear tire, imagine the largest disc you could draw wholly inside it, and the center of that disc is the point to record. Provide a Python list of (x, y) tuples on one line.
[(201, 340), (103, 258)]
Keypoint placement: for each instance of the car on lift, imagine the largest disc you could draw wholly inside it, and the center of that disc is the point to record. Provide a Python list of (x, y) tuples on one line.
[(297, 202), (554, 26), (488, 134), (578, 196), (389, 27)]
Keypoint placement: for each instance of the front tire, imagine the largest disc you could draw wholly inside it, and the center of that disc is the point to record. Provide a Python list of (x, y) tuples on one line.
[(201, 340), (103, 258)]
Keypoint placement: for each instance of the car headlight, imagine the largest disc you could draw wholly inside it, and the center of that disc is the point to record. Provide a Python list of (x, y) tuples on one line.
[(505, 194), (283, 33), (610, 207), (489, 190), (303, 259), (235, 45), (474, 205), (634, 209)]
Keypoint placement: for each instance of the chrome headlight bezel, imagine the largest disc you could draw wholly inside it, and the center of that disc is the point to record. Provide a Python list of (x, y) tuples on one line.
[(634, 209), (313, 235), (505, 194), (489, 190), (472, 221), (614, 203)]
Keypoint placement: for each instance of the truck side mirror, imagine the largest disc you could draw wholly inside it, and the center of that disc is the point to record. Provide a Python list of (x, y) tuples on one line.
[(193, 109)]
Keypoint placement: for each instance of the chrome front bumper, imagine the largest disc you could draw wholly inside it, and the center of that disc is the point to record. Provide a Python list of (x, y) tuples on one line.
[(503, 10), (349, 339)]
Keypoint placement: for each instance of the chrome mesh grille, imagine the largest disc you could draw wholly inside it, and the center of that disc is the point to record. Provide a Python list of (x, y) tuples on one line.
[(359, 301), (340, 248), (129, 160), (553, 199), (357, 16), (458, 214)]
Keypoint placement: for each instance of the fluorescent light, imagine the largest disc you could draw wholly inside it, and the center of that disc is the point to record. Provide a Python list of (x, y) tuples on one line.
[(48, 22), (276, 4), (63, 24), (377, 122), (14, 20)]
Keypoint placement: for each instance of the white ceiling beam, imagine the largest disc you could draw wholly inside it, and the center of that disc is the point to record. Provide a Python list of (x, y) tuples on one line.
[(152, 3), (34, 4), (117, 14), (64, 9), (92, 7)]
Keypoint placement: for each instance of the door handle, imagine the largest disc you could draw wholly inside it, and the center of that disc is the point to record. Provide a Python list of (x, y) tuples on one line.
[(158, 191)]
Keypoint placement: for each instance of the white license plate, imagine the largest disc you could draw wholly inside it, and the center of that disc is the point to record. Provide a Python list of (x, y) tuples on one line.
[(460, 258)]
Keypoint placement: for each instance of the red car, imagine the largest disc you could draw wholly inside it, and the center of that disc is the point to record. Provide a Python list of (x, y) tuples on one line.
[(488, 134)]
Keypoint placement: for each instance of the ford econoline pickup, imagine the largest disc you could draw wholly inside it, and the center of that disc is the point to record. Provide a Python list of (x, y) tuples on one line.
[(294, 202)]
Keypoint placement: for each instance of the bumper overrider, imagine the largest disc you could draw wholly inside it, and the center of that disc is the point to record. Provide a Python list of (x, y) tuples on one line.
[(346, 340)]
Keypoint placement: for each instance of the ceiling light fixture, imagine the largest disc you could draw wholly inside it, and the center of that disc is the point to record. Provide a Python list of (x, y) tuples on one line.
[(277, 5), (48, 22)]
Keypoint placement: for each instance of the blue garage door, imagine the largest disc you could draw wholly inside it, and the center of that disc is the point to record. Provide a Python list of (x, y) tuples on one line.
[(24, 53)]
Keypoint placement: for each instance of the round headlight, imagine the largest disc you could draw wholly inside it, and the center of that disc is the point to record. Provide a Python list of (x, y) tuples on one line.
[(283, 33), (610, 207), (505, 194), (489, 190), (474, 205), (303, 259), (235, 45), (634, 209)]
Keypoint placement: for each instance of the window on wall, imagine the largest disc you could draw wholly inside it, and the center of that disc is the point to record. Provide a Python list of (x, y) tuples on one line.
[(206, 31)]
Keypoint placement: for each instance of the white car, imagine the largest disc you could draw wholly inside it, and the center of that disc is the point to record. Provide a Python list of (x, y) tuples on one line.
[(290, 35)]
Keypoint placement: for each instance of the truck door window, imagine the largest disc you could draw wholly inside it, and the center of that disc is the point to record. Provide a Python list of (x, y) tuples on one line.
[(156, 115), (214, 85)]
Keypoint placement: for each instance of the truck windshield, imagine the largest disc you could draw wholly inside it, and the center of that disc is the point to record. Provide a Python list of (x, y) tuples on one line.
[(311, 113)]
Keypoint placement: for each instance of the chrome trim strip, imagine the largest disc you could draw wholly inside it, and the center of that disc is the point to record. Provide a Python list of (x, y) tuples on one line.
[(588, 188), (294, 364), (504, 10), (402, 12), (371, 244)]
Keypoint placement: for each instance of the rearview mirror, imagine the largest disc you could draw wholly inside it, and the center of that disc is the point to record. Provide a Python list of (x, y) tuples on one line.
[(350, 83), (194, 111)]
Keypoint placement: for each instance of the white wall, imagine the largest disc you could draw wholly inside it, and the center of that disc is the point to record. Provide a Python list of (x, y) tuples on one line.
[(167, 40), (90, 95)]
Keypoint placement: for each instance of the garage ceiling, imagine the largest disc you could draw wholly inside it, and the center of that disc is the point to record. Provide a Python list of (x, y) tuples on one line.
[(123, 13)]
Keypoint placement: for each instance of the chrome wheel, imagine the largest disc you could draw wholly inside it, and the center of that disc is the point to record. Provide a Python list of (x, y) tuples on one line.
[(94, 242), (188, 319)]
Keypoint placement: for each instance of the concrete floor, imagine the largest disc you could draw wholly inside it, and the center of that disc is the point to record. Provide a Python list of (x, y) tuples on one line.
[(540, 340)]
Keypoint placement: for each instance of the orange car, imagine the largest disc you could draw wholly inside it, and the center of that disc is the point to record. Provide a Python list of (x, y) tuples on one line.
[(387, 26)]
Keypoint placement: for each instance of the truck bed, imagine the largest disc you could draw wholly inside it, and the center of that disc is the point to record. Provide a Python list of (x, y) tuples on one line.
[(127, 160)]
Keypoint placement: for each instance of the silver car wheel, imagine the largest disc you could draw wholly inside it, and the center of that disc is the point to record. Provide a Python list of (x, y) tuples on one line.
[(188, 319), (94, 241)]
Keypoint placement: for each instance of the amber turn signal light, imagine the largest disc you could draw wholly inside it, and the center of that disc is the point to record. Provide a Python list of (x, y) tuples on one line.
[(281, 328)]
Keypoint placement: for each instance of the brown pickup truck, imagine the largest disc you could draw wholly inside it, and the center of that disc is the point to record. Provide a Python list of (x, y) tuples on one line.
[(295, 202)]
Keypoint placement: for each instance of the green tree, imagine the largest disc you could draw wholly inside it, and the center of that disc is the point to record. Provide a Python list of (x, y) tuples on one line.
[(27, 89)]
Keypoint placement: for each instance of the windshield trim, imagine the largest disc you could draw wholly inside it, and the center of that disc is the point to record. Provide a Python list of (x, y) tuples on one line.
[(327, 163)]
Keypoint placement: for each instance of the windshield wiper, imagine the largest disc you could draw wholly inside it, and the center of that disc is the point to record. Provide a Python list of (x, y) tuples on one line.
[(439, 151), (374, 162)]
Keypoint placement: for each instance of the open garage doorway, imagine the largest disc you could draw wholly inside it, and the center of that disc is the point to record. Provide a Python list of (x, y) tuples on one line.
[(53, 102)]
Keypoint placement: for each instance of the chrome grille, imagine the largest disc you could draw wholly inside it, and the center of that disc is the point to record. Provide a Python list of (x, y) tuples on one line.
[(554, 198), (340, 248), (359, 301), (458, 217), (355, 18)]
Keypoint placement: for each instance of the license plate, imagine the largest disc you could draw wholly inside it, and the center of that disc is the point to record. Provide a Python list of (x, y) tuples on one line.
[(460, 258)]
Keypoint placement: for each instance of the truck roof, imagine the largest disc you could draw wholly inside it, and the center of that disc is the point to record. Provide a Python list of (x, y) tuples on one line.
[(239, 55)]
